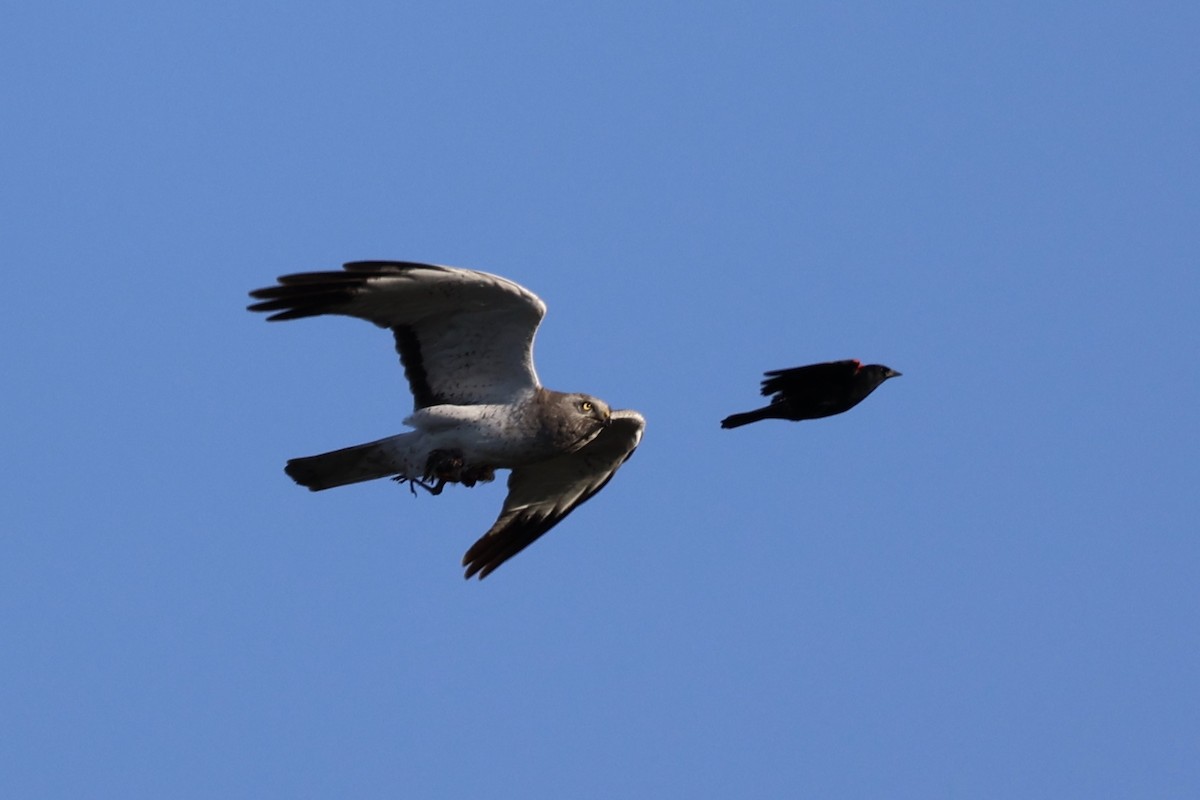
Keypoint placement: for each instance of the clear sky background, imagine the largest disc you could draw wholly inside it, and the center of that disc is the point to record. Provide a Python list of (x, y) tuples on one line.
[(982, 582)]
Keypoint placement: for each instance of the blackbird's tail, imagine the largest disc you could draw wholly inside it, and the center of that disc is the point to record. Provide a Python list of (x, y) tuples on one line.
[(737, 420)]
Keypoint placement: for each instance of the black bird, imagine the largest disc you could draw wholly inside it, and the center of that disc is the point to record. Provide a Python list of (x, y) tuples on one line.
[(814, 391)]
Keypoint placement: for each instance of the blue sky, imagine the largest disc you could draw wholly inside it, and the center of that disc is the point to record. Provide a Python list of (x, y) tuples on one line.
[(982, 582)]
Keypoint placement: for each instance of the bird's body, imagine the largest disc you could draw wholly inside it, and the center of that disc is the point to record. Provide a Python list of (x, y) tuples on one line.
[(814, 391), (465, 339), (488, 437)]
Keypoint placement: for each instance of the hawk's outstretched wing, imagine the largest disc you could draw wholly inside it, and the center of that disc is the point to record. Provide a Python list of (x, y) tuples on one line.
[(540, 495), (465, 337)]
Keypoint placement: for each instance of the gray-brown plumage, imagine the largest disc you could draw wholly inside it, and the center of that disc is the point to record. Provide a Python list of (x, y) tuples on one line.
[(465, 339), (814, 391)]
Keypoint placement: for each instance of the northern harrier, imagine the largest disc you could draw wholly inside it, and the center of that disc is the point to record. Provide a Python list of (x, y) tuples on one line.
[(465, 339)]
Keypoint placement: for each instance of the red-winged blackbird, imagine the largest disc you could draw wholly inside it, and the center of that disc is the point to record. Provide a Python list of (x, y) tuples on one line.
[(818, 390)]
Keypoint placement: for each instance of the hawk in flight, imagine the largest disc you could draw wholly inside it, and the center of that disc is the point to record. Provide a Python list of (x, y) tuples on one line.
[(465, 339)]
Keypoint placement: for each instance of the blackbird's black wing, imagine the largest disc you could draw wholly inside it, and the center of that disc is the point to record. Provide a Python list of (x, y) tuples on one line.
[(811, 381)]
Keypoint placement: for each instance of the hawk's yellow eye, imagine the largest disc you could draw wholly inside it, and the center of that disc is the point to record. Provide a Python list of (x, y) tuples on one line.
[(586, 405)]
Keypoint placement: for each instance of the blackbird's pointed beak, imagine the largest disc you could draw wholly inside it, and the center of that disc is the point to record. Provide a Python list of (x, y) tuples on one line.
[(891, 373)]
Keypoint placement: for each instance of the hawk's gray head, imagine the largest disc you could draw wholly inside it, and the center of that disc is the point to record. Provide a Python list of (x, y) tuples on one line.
[(571, 419)]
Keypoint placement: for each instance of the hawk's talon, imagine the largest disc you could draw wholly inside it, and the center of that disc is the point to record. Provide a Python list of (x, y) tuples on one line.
[(447, 466), (434, 489)]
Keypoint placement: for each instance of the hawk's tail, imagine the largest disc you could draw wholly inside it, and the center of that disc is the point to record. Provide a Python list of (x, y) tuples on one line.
[(362, 462)]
